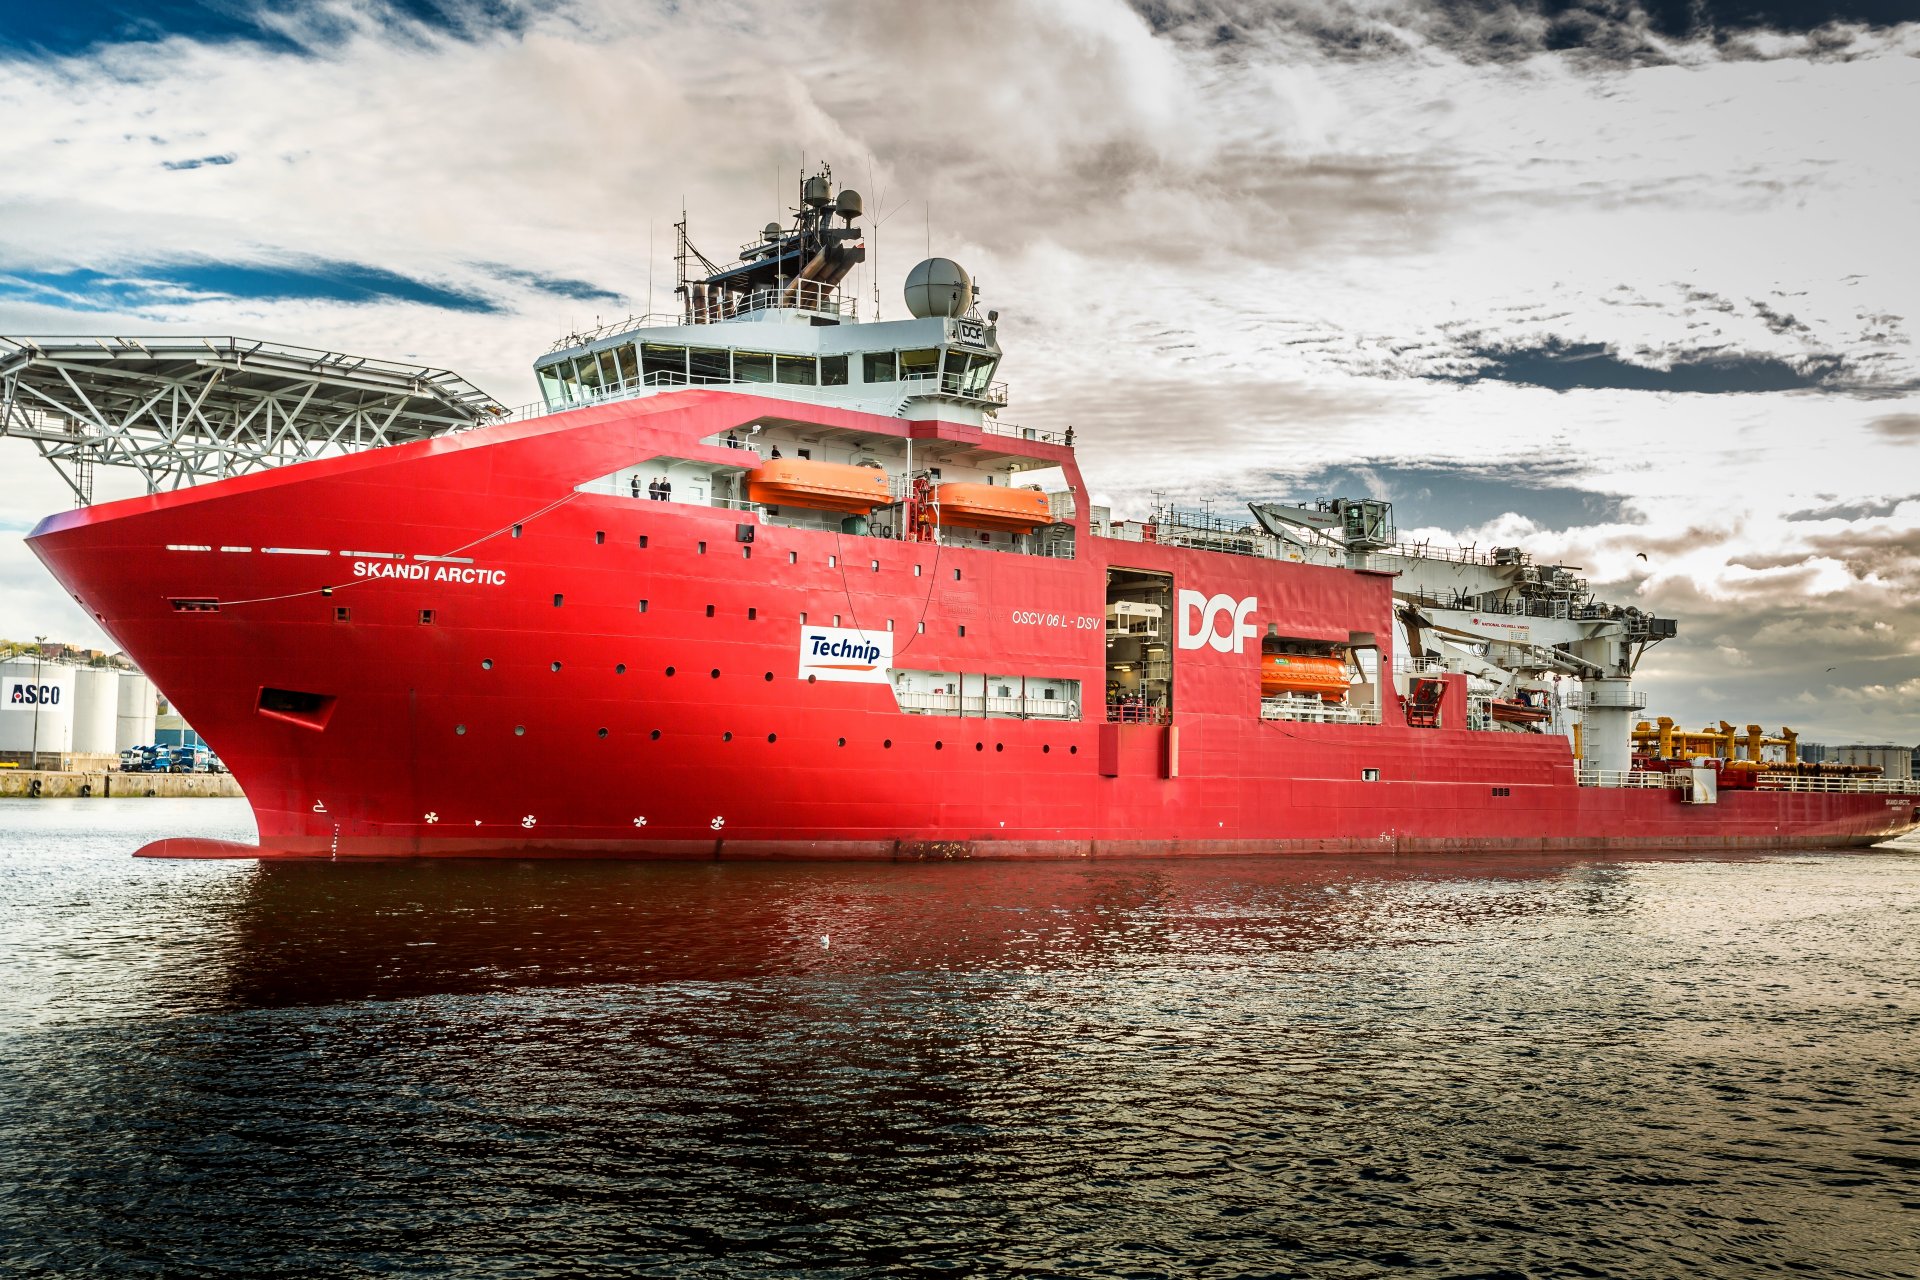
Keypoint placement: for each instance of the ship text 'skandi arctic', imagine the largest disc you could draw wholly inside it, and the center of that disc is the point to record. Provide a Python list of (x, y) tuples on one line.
[(763, 579)]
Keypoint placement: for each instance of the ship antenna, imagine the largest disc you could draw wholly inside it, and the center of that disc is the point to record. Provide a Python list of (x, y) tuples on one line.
[(649, 266)]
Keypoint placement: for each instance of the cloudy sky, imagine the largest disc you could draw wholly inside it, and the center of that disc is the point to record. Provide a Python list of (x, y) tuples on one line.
[(1598, 278)]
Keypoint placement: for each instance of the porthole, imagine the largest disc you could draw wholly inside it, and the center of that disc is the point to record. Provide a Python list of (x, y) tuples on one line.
[(939, 745), (709, 611), (519, 731), (979, 746), (486, 664), (553, 666), (999, 746), (1073, 751), (715, 673), (460, 729), (655, 735), (752, 613), (669, 670), (643, 606), (887, 743), (963, 630), (773, 737), (643, 542), (812, 679), (603, 731), (1046, 748), (558, 599), (700, 548), (727, 736), (769, 675), (619, 668), (599, 537), (843, 742)]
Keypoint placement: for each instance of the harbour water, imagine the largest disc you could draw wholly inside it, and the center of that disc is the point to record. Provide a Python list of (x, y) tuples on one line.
[(1478, 1067)]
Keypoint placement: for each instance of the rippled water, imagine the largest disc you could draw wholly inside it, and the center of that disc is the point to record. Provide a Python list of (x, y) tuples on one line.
[(1495, 1067)]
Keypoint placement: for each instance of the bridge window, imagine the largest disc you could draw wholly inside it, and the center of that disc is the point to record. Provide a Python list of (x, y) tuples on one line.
[(919, 364), (799, 371), (629, 367), (833, 371), (752, 366), (663, 365), (879, 366), (706, 364), (550, 385)]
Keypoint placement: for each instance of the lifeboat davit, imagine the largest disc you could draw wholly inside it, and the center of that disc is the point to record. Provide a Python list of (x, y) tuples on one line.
[(1508, 711), (1321, 676), (822, 486), (991, 506)]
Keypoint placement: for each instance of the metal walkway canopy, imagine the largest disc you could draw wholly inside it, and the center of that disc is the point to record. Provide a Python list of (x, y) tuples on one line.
[(183, 410)]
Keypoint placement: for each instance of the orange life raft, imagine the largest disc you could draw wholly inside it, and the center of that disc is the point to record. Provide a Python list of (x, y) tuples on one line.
[(992, 506), (1304, 673), (823, 486)]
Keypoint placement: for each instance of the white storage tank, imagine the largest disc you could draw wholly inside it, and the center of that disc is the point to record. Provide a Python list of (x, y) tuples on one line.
[(138, 704), (36, 706), (96, 711)]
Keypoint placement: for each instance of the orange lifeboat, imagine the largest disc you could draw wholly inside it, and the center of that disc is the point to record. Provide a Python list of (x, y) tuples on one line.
[(1513, 711), (1306, 673), (992, 506), (823, 486)]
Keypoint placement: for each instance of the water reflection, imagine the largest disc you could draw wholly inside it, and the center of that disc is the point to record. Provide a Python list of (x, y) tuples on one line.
[(1315, 1067), (307, 933)]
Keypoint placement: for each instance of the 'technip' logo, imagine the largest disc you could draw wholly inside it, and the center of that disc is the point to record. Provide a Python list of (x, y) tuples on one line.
[(1201, 617), (845, 653)]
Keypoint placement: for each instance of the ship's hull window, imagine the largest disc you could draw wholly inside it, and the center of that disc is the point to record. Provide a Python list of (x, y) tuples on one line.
[(878, 366), (752, 366), (833, 371)]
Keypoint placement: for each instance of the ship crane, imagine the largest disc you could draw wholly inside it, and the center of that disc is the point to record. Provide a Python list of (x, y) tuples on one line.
[(1495, 616)]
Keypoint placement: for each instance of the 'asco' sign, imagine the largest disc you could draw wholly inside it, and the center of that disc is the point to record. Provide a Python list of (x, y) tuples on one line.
[(24, 693), (1220, 621)]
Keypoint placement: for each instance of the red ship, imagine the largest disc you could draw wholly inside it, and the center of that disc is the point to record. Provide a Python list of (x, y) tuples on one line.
[(767, 581)]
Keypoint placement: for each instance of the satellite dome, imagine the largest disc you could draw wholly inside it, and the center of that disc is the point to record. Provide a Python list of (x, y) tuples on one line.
[(938, 287)]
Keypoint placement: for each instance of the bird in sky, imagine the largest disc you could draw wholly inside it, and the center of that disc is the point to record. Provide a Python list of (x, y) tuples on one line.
[(1641, 554)]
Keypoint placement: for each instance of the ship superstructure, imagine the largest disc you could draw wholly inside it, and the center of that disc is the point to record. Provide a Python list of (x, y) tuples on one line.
[(762, 578)]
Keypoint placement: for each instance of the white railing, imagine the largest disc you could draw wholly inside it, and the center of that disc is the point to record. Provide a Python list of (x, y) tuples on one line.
[(1647, 779), (1606, 699), (1313, 710), (993, 428), (1850, 786), (972, 704), (1420, 666)]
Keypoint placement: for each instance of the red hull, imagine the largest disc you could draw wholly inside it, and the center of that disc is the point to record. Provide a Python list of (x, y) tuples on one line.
[(535, 713)]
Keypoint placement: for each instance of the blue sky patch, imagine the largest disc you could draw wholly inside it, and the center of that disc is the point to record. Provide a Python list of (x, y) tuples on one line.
[(174, 284), (559, 286), (76, 26)]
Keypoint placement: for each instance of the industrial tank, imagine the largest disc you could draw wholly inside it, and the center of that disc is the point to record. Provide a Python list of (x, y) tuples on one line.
[(138, 704), (96, 711), (36, 706)]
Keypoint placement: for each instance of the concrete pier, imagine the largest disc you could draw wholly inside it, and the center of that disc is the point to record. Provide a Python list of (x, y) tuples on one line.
[(50, 784)]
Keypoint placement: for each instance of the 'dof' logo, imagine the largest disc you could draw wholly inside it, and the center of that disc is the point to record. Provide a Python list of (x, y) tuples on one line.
[(1200, 621)]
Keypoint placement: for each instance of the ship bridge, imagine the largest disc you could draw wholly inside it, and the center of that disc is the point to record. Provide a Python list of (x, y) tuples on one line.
[(779, 322), (182, 410)]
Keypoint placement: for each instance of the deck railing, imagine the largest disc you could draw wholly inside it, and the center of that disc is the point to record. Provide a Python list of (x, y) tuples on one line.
[(1849, 786), (1648, 779)]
